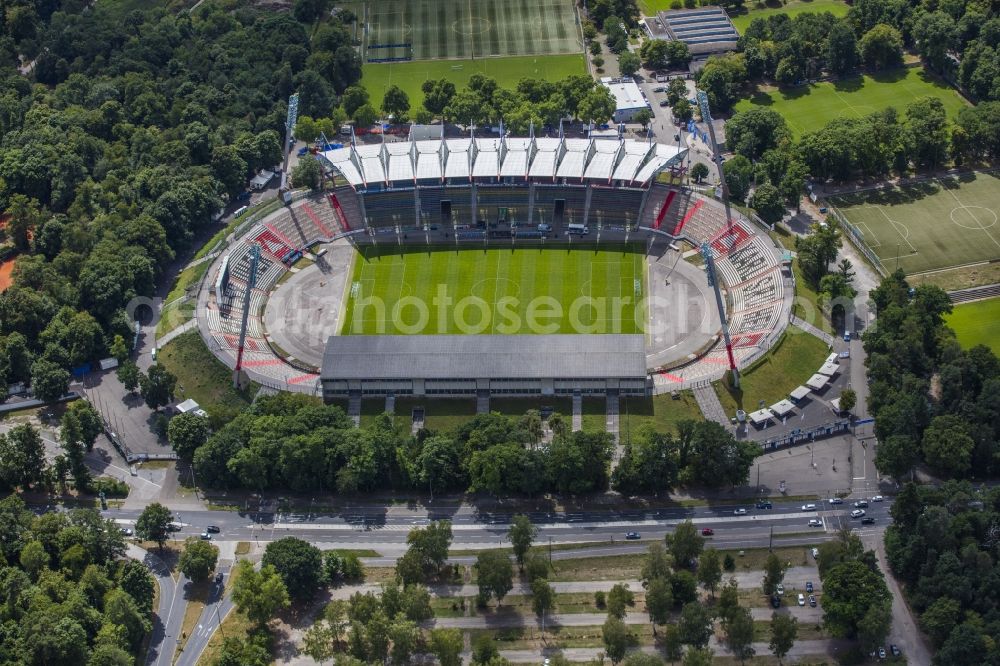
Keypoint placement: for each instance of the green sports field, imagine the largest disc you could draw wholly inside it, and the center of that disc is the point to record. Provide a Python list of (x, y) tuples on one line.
[(836, 7), (810, 107), (439, 29), (578, 288), (977, 323), (934, 225), (377, 77)]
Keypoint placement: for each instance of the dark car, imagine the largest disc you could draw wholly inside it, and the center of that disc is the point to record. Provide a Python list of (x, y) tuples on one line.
[(775, 601), (664, 103), (632, 535), (708, 531), (861, 504), (809, 586), (895, 650), (868, 520), (764, 505), (218, 577), (212, 529), (812, 600)]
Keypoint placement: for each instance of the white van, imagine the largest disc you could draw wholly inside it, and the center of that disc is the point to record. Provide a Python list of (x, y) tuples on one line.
[(580, 229), (240, 211), (545, 227)]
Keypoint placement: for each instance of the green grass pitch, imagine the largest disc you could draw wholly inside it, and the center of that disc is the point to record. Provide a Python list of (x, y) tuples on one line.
[(577, 288), (377, 77), (810, 107), (439, 29), (934, 225), (836, 7), (977, 323)]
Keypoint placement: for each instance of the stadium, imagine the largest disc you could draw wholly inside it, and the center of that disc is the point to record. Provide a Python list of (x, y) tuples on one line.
[(486, 265)]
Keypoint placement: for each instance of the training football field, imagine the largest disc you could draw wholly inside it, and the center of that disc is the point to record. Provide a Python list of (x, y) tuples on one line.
[(579, 288), (977, 323), (933, 225), (810, 107), (438, 29)]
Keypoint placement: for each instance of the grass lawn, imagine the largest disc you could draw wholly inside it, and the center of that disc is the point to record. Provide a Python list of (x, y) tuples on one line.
[(595, 415), (442, 29), (806, 303), (936, 224), (965, 277), (520, 406), (441, 414), (377, 77), (810, 107), (796, 357), (201, 376), (174, 313), (530, 638), (977, 323), (662, 411), (496, 290), (793, 9)]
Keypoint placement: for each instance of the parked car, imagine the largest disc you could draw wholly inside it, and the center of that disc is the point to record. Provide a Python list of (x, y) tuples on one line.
[(861, 504), (765, 505), (775, 601), (881, 653), (815, 522), (878, 498), (218, 577), (836, 500), (127, 531), (815, 553), (802, 599), (895, 650), (659, 89), (212, 529), (857, 513), (206, 536), (739, 512), (809, 586), (867, 520), (631, 536), (808, 507), (708, 531), (812, 600), (664, 103), (780, 590)]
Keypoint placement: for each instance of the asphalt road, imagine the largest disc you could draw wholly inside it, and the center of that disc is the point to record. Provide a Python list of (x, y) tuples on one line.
[(170, 613), (218, 606)]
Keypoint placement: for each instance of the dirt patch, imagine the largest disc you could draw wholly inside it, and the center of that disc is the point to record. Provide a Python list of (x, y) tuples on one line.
[(6, 269)]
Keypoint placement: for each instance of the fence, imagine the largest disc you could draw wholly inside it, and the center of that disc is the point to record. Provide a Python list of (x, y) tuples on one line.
[(857, 239)]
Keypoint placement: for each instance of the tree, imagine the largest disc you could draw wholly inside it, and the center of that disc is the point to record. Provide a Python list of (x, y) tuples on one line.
[(138, 582), (495, 575), (427, 553), (848, 399), (817, 251), (34, 559), (153, 524), (841, 49), (685, 544), (128, 375), (628, 63), (710, 569), (447, 645), (404, 636), (882, 47), (258, 594), (619, 599), (353, 99), (198, 559), (307, 173), (934, 34), (752, 132), (699, 171), (308, 11), (784, 631), (396, 102), (157, 386), (437, 95), (738, 173), (699, 657), (769, 203), (682, 111), (695, 625), (521, 534), (947, 446), (774, 573), (678, 54), (653, 53), (299, 563), (643, 116), (365, 116), (543, 597), (22, 457), (616, 639), (850, 590), (186, 433), (659, 601), (536, 565), (49, 380), (229, 168), (598, 105), (729, 601), (673, 647), (739, 634), (927, 132)]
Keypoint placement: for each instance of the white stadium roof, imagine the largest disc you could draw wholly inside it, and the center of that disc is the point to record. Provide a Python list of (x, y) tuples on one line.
[(600, 159)]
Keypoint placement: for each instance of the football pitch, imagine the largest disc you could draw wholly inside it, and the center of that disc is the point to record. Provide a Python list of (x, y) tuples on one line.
[(810, 107), (977, 323), (933, 225), (377, 77), (579, 288), (440, 29), (836, 7)]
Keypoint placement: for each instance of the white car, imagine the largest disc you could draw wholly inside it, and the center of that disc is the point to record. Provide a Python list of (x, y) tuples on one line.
[(857, 513), (836, 500), (779, 590), (802, 600), (808, 507), (815, 553), (878, 498), (815, 522), (740, 512)]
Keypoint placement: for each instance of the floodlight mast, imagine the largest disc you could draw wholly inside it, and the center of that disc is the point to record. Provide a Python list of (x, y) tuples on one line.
[(706, 116), (706, 252), (251, 283)]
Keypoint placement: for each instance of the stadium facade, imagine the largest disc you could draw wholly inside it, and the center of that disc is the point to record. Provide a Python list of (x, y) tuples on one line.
[(501, 187)]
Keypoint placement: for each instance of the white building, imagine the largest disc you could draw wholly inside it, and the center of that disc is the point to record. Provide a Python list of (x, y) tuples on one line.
[(628, 98)]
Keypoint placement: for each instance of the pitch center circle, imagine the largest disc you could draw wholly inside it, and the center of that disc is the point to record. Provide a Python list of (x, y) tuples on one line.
[(970, 217), (472, 28), (479, 288)]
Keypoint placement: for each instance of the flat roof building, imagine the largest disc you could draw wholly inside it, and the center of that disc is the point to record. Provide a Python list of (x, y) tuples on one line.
[(629, 99), (469, 365), (705, 30)]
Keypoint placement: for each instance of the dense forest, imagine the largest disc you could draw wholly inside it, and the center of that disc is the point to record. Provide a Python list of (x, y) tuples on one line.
[(66, 596), (288, 441), (943, 545), (136, 130), (933, 402)]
